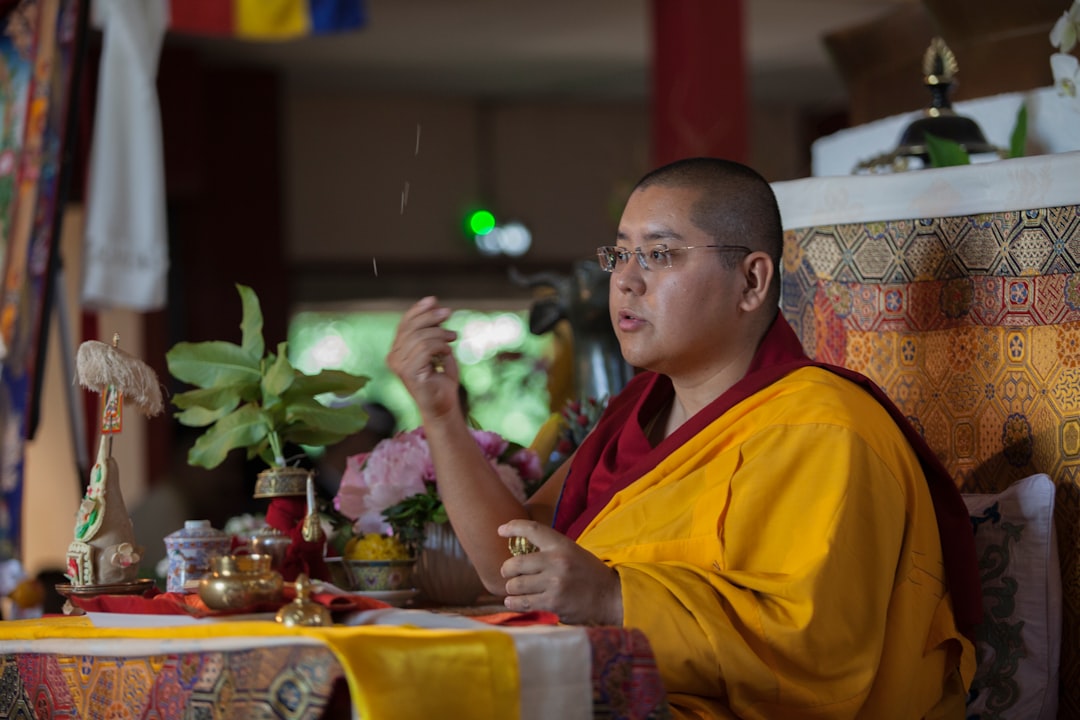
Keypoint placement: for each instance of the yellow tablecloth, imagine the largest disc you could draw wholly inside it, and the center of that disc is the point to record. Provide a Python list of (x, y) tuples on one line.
[(393, 671)]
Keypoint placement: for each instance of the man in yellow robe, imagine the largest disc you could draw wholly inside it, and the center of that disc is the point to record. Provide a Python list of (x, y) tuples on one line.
[(787, 542)]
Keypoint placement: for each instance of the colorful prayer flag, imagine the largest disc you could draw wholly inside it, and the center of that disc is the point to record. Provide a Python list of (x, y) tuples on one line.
[(265, 19)]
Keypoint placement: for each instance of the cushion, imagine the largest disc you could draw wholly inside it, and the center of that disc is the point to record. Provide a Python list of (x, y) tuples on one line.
[(1018, 643)]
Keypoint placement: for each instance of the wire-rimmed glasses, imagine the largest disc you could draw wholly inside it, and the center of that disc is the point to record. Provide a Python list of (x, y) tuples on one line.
[(657, 257)]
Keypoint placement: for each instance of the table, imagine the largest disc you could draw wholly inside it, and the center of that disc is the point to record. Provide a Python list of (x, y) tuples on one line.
[(390, 663)]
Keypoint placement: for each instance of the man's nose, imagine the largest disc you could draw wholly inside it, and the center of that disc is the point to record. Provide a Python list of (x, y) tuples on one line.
[(629, 277)]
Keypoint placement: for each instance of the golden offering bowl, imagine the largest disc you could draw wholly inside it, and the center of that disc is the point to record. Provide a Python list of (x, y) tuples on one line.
[(240, 581), (233, 564), (281, 482)]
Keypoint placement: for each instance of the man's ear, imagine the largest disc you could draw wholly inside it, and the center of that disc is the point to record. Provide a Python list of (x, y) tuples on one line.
[(758, 270)]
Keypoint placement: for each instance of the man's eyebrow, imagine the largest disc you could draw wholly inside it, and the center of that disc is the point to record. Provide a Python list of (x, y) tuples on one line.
[(655, 236), (662, 234)]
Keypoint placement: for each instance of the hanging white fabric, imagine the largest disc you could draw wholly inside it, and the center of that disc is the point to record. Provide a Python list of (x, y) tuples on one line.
[(126, 252)]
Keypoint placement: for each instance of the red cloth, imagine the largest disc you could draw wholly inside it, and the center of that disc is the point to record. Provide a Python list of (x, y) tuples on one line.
[(191, 604), (287, 515), (780, 353), (516, 619)]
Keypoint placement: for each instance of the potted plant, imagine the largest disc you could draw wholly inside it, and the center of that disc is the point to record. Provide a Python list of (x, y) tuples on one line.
[(247, 397)]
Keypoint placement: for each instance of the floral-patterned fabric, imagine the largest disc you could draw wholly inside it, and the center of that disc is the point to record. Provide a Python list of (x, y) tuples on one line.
[(290, 681), (972, 326), (275, 682)]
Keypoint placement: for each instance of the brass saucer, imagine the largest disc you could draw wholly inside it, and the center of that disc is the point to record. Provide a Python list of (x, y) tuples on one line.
[(134, 587)]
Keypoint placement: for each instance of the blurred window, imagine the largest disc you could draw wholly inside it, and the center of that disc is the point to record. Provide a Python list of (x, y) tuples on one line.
[(504, 367)]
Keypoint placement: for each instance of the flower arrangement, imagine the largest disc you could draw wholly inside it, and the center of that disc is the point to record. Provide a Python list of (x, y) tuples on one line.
[(578, 421), (564, 431), (1063, 37), (393, 491)]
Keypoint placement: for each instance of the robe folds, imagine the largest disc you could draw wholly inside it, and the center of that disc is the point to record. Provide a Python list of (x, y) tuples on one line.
[(784, 560)]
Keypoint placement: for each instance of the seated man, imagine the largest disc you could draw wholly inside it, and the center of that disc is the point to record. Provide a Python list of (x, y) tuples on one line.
[(786, 541)]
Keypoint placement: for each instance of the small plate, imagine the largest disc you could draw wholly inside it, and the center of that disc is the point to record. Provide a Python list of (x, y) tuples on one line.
[(135, 587), (397, 598)]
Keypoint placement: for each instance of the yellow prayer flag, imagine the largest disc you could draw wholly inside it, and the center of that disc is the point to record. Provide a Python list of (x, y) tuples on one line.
[(272, 19)]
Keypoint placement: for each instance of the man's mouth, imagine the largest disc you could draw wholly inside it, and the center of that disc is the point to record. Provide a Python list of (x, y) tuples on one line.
[(629, 321)]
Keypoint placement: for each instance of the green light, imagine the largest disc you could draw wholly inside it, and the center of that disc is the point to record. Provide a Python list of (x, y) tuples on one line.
[(481, 222)]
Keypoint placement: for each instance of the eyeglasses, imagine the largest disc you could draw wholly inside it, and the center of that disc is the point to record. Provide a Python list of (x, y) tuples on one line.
[(657, 257)]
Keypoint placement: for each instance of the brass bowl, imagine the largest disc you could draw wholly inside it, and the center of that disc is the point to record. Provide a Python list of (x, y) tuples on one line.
[(240, 581), (281, 482), (257, 563), (270, 541)]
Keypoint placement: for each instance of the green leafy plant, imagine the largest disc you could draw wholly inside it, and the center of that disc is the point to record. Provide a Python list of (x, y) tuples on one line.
[(249, 398)]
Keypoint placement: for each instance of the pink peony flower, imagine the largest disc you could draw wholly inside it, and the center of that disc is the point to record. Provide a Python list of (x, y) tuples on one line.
[(401, 467), (492, 444), (527, 463)]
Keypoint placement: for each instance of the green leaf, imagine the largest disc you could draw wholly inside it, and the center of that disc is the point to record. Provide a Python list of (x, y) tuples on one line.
[(327, 381), (251, 326), (312, 437), (243, 427), (310, 414), (228, 396), (278, 377), (212, 364), (201, 417), (1018, 139), (945, 153)]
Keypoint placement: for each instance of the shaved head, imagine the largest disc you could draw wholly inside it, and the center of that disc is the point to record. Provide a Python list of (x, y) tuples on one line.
[(735, 206)]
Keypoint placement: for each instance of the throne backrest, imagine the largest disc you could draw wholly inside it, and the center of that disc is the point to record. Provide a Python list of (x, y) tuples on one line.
[(958, 291)]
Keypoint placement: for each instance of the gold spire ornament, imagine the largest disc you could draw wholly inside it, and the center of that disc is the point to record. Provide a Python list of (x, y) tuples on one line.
[(103, 554), (939, 64)]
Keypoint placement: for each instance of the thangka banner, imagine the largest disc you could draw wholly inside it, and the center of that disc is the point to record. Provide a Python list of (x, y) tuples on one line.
[(37, 41), (265, 19)]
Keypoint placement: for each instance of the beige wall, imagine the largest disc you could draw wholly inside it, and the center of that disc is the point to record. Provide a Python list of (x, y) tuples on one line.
[(556, 167), (564, 169)]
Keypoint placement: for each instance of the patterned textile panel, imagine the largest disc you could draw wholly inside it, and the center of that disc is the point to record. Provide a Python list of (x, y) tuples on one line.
[(294, 682), (972, 326), (626, 681), (280, 682)]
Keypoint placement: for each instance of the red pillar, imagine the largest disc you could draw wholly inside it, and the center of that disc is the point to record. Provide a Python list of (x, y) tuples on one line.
[(699, 104)]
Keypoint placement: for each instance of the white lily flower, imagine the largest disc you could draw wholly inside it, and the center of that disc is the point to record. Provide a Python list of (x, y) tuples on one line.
[(1066, 69), (1064, 33)]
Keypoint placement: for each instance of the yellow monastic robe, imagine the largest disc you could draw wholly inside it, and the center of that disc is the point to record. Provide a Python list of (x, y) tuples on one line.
[(785, 563)]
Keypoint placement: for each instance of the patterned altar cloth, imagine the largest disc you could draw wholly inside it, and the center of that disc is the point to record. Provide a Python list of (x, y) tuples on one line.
[(957, 290), (275, 681)]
